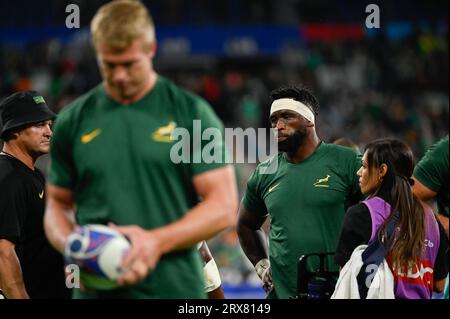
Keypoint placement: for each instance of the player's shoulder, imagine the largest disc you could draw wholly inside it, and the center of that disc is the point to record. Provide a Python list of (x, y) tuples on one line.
[(269, 166), (183, 97), (437, 153), (174, 89), (341, 151), (442, 145)]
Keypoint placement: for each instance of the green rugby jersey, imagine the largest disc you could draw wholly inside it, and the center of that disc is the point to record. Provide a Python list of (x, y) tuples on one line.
[(432, 171), (305, 202), (116, 160)]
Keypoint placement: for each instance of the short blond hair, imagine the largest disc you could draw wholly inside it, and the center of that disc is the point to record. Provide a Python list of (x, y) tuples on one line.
[(118, 23)]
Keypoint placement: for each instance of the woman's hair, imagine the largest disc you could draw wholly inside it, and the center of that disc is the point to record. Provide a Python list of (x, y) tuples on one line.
[(408, 243), (118, 23)]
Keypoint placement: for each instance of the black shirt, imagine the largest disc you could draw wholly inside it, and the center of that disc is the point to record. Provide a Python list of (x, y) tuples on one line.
[(22, 206), (357, 229)]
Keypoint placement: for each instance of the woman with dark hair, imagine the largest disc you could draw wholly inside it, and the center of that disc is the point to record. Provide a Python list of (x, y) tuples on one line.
[(416, 254)]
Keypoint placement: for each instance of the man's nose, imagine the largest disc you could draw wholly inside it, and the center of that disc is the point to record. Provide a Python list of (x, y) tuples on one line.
[(48, 131), (280, 124), (119, 73)]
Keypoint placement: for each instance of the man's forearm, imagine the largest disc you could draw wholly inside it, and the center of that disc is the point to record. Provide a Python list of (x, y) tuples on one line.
[(11, 279), (58, 220), (15, 290), (253, 243), (57, 228)]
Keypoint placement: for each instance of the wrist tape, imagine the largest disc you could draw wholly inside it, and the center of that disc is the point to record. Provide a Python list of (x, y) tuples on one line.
[(261, 266), (212, 276)]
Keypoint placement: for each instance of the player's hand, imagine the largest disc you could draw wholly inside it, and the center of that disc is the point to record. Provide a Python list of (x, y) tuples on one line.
[(143, 256), (267, 280)]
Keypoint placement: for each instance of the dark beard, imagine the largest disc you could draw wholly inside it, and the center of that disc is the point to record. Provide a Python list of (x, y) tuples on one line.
[(291, 144)]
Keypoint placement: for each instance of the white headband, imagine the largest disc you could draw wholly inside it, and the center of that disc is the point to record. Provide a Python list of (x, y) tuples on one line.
[(293, 105)]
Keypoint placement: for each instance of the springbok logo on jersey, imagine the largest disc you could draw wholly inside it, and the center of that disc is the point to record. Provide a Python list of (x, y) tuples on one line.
[(164, 133), (320, 182)]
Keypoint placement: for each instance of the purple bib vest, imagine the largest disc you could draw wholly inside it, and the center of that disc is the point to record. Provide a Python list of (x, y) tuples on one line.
[(418, 283)]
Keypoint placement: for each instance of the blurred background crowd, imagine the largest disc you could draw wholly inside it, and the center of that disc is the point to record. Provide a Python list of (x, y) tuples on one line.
[(371, 83)]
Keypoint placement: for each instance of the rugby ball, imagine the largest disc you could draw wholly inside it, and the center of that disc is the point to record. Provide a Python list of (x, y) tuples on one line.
[(98, 251)]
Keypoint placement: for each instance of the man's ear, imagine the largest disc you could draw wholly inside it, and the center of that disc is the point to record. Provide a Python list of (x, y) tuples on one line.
[(152, 50)]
